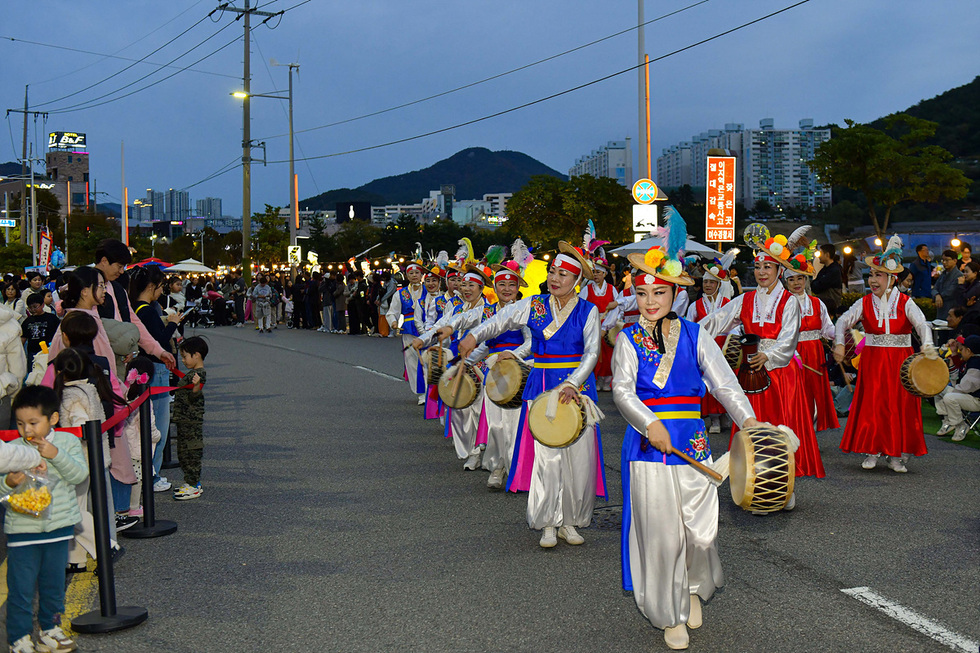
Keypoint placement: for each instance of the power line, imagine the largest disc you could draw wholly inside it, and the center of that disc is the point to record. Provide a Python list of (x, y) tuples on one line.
[(125, 47), (553, 95), (88, 104), (493, 77), (140, 60), (234, 163), (100, 54)]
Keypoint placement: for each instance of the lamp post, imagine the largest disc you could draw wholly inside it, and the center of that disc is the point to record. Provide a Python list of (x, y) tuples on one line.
[(153, 245)]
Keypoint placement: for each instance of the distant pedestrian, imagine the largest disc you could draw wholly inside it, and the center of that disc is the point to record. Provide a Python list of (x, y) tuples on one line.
[(944, 290), (262, 296), (921, 269)]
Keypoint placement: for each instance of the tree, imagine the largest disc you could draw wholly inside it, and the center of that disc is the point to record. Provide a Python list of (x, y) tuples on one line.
[(269, 242), (354, 237), (548, 209), (890, 166), (319, 240)]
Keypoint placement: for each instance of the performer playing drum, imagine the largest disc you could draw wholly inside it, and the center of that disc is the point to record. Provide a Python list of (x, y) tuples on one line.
[(715, 274), (661, 366), (562, 483), (885, 418), (410, 304), (606, 299), (771, 313), (815, 323)]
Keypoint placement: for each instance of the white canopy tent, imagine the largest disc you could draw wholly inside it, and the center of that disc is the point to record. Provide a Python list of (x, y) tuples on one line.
[(691, 247), (189, 265)]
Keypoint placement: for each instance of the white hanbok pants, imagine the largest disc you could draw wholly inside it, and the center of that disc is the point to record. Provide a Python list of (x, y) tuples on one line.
[(563, 484), (501, 435), (412, 363), (672, 540)]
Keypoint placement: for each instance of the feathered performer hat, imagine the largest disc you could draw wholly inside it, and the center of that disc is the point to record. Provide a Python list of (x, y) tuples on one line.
[(593, 247), (513, 269), (439, 264), (793, 253), (890, 260), (417, 261), (719, 268), (664, 264)]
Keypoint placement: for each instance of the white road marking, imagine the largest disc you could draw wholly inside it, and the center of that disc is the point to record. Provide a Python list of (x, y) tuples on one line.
[(914, 620), (387, 376)]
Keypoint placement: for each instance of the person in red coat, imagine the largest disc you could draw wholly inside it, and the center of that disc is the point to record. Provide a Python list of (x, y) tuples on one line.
[(715, 274), (606, 299), (815, 324), (885, 419), (773, 314)]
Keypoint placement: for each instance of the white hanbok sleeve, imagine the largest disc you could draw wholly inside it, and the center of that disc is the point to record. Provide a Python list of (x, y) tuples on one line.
[(394, 310), (512, 317), (847, 320), (919, 323), (721, 380), (827, 329), (789, 335), (681, 302), (726, 318), (692, 312)]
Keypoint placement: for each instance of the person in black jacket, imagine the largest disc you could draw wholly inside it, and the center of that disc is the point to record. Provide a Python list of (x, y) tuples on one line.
[(829, 282)]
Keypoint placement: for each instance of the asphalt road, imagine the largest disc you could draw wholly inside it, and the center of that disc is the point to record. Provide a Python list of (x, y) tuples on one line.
[(335, 519)]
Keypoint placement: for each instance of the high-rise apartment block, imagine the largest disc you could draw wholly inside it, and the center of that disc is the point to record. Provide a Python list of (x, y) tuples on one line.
[(209, 207), (771, 163), (178, 205), (612, 160)]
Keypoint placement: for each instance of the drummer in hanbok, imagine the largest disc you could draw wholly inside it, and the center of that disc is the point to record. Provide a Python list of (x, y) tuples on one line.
[(773, 314), (498, 425), (885, 418), (815, 326), (409, 303), (715, 274), (606, 298), (562, 483), (435, 306), (661, 366), (462, 424)]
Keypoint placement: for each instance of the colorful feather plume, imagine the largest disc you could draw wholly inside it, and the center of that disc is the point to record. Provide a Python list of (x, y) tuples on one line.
[(588, 237), (727, 259), (521, 255), (465, 253), (894, 247), (674, 234), (495, 255), (797, 240), (442, 259)]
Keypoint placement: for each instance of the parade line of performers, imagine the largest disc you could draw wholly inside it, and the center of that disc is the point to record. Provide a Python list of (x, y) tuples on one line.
[(670, 380)]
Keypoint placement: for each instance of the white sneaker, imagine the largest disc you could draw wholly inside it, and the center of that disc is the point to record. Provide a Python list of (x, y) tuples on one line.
[(162, 485), (715, 426), (496, 480), (55, 641), (791, 503), (960, 433), (870, 461), (896, 465), (570, 535), (473, 460), (945, 428), (548, 539), (695, 620), (421, 400), (676, 637), (23, 645)]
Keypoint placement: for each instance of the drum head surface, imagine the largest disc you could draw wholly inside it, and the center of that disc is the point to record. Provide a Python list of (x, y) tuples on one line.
[(563, 431), (737, 466), (469, 388), (927, 377), (504, 380)]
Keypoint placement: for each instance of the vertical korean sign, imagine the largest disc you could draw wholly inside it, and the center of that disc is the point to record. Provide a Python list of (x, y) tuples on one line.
[(720, 205)]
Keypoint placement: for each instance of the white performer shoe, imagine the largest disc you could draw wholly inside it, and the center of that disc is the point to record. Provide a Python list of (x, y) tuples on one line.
[(421, 400), (570, 535), (715, 426), (676, 637), (896, 465), (497, 478), (791, 503), (694, 621), (548, 539), (473, 460), (870, 461), (960, 433)]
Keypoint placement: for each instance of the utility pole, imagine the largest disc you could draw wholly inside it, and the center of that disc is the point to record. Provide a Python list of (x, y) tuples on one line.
[(640, 55), (23, 164), (246, 13)]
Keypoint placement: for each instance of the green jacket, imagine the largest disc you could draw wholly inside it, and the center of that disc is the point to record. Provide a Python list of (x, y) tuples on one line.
[(66, 470)]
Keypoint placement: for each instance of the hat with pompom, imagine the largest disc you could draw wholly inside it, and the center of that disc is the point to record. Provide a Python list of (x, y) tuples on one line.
[(664, 264), (794, 253), (890, 260)]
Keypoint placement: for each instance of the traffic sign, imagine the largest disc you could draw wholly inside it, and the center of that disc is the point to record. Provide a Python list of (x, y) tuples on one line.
[(645, 191), (294, 254), (8, 222), (720, 203), (644, 218)]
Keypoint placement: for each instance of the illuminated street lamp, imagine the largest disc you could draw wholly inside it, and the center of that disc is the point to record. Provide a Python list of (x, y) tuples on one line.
[(956, 242)]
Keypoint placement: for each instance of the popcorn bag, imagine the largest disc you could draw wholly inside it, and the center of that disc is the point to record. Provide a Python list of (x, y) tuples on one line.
[(32, 497)]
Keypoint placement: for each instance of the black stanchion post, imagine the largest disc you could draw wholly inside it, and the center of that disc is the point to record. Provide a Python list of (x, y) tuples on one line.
[(109, 618), (168, 461), (150, 526)]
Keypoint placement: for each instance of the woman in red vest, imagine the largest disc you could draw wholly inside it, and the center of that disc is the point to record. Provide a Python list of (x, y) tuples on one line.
[(715, 274), (606, 299), (772, 313), (815, 324), (885, 418)]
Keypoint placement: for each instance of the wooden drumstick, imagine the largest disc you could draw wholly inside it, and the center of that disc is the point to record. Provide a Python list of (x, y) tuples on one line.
[(811, 369), (700, 466)]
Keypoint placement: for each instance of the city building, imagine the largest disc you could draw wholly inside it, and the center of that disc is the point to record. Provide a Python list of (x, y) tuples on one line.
[(209, 207), (178, 205), (771, 163), (613, 160)]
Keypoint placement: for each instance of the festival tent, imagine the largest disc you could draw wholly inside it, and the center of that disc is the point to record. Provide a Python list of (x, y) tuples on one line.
[(189, 265)]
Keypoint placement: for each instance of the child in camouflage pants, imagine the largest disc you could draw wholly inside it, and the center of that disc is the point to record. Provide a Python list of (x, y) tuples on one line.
[(188, 416)]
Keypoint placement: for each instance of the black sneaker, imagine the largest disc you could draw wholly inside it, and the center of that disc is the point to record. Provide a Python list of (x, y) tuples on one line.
[(125, 521)]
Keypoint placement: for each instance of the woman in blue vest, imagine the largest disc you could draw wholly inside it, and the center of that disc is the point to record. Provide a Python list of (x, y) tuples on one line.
[(410, 304), (661, 365), (562, 483)]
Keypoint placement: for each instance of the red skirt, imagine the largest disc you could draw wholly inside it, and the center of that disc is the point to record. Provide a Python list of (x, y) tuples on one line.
[(783, 403), (885, 418), (816, 386), (710, 405), (604, 366)]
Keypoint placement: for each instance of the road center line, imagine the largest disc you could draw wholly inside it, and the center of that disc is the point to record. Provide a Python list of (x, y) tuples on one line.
[(387, 376), (913, 620)]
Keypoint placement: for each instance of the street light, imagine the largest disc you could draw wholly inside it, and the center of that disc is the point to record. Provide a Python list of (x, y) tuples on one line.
[(956, 242), (153, 245), (877, 242), (847, 249)]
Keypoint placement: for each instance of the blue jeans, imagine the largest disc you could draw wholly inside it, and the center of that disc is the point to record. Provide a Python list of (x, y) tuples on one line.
[(40, 569), (161, 414), (121, 494)]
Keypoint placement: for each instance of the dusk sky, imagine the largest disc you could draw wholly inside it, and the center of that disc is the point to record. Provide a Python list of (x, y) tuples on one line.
[(827, 60)]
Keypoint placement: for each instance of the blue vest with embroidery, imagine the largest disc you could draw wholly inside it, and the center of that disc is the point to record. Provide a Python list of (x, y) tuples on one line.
[(556, 358), (506, 341), (677, 404), (459, 334), (412, 313)]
